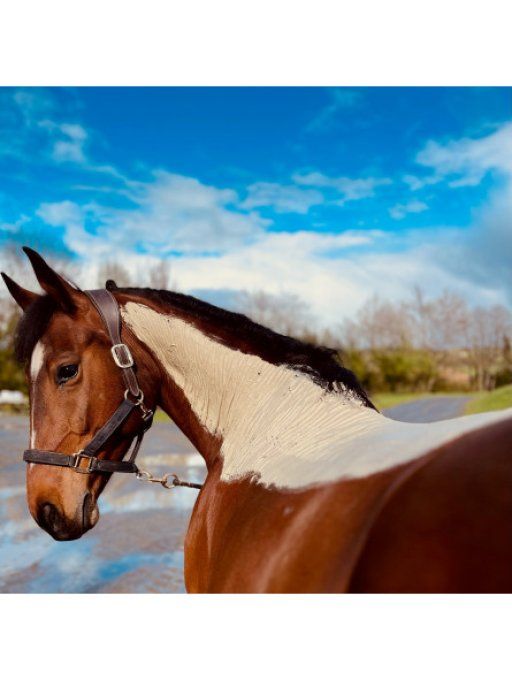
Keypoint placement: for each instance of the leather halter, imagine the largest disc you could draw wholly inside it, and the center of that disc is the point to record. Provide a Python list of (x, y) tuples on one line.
[(108, 310)]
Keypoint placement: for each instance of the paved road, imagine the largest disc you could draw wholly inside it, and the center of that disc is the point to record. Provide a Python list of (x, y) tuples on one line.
[(137, 545), (429, 409)]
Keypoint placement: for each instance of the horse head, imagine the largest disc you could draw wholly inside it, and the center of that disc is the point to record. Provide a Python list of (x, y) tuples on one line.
[(75, 388)]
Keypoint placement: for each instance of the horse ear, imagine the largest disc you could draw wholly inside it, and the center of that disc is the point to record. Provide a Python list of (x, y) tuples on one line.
[(23, 297), (67, 296)]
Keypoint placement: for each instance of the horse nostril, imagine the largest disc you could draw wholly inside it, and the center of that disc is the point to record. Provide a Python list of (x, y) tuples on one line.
[(48, 516), (63, 528)]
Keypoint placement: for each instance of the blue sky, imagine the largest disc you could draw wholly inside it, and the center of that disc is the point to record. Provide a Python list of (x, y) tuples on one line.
[(330, 194)]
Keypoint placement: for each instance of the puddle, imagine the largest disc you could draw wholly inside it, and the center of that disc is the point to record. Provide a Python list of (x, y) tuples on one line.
[(12, 492), (137, 545)]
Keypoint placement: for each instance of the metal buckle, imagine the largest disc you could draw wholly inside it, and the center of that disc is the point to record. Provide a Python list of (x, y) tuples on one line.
[(76, 465), (122, 355)]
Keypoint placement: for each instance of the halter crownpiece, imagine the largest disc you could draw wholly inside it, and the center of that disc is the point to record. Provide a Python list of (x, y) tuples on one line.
[(108, 309)]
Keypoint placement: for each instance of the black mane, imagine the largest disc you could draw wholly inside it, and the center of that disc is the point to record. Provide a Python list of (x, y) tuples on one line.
[(321, 363)]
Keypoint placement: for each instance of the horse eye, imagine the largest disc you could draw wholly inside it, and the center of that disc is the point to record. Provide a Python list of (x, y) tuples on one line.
[(65, 373)]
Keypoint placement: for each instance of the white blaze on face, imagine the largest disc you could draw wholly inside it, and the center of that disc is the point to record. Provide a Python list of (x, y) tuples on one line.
[(36, 363), (275, 422)]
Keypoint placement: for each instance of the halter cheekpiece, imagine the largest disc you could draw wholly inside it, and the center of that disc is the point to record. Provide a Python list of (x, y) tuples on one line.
[(86, 460)]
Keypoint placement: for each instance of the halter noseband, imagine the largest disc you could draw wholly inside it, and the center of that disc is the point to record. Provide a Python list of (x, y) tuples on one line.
[(108, 310)]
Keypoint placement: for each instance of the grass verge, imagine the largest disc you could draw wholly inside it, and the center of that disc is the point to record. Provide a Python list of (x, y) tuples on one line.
[(161, 417), (490, 401), (389, 399)]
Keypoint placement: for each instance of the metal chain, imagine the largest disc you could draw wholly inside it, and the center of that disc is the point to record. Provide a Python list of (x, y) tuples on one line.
[(168, 481)]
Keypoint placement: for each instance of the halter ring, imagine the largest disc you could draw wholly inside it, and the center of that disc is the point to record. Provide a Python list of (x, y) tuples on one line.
[(139, 398)]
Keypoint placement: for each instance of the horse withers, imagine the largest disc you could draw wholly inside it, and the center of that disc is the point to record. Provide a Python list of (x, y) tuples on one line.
[(308, 487)]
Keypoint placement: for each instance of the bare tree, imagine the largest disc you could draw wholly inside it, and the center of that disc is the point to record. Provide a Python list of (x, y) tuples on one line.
[(485, 333), (439, 327), (115, 271), (439, 324), (378, 324), (160, 275), (285, 313), (445, 329)]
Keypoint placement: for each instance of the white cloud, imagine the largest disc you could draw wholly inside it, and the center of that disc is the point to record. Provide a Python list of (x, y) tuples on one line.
[(350, 189), (327, 271), (72, 217), (282, 198), (334, 286), (316, 267), (341, 99), (69, 141), (19, 112), (32, 105), (14, 227), (332, 273), (60, 214), (64, 151), (400, 210), (416, 183), (224, 243), (478, 256), (299, 199), (311, 242), (71, 148), (483, 255), (74, 131), (468, 160), (170, 213), (30, 130)]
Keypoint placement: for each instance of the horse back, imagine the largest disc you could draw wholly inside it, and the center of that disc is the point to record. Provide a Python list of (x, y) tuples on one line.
[(447, 528)]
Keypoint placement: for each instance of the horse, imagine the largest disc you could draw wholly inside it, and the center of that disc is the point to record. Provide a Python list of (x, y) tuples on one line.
[(309, 489)]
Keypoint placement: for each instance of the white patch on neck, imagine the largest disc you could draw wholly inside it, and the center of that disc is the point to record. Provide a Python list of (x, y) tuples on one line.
[(275, 422)]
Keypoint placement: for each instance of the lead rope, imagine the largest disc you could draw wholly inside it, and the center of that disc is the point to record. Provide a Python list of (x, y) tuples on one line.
[(168, 481)]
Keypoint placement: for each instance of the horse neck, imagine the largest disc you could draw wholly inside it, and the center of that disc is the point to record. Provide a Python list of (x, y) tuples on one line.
[(238, 401)]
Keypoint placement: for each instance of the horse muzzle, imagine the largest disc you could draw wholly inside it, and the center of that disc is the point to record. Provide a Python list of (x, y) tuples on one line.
[(62, 527)]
